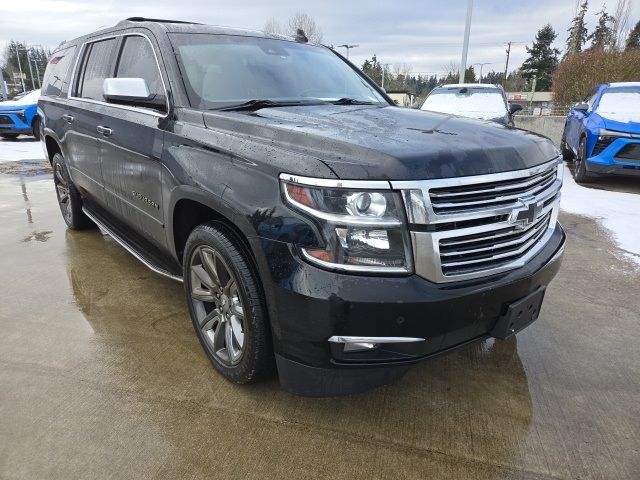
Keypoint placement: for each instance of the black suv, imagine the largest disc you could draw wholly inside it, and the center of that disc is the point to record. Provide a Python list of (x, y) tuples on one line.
[(310, 219)]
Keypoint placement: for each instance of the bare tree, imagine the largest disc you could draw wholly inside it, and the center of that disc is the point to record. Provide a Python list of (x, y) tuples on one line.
[(297, 21), (307, 24), (620, 21), (272, 26)]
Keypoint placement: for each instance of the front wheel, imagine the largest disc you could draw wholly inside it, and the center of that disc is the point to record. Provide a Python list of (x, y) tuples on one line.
[(36, 127), (226, 304), (567, 154), (580, 173)]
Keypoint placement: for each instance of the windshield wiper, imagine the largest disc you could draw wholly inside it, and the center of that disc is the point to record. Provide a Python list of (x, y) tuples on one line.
[(258, 104), (351, 101)]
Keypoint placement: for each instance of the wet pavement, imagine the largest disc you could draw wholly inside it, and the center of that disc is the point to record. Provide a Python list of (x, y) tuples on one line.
[(102, 377)]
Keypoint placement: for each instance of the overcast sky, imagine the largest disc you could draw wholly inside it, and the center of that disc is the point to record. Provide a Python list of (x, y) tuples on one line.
[(426, 34)]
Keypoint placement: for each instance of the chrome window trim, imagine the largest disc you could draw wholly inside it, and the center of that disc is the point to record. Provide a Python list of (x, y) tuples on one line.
[(122, 107)]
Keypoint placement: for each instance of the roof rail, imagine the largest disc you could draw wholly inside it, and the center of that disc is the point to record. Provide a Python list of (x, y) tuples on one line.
[(156, 20)]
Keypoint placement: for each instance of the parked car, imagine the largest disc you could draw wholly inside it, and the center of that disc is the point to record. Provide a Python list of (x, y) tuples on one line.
[(310, 219), (483, 101), (19, 117), (602, 133)]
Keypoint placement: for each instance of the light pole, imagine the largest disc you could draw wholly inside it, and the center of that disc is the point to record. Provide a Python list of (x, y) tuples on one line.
[(481, 65), (384, 67), (348, 47), (465, 45)]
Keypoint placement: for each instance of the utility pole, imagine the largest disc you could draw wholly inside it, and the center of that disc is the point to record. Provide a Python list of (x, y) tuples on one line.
[(348, 47), (506, 67), (465, 46), (37, 71), (481, 65), (24, 89)]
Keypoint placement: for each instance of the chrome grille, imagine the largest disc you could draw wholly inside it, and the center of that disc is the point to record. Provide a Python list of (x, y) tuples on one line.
[(472, 253), (463, 198), (463, 228)]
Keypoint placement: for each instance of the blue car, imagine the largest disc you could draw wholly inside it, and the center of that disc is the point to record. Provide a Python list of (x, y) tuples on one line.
[(19, 117), (602, 133)]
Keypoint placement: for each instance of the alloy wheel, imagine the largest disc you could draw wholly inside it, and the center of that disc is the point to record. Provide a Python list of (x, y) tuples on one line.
[(217, 304), (62, 191)]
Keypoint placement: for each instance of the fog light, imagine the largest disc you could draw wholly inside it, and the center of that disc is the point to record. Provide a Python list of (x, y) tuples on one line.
[(359, 346)]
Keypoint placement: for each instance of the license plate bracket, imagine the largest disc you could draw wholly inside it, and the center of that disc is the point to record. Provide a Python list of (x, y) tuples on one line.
[(519, 315)]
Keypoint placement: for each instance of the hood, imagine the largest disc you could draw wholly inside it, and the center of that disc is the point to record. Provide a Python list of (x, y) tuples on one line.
[(370, 142), (628, 125), (28, 100)]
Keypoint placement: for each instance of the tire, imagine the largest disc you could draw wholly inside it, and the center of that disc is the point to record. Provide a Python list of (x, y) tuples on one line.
[(69, 198), (580, 173), (9, 136), (567, 154), (226, 304), (36, 127)]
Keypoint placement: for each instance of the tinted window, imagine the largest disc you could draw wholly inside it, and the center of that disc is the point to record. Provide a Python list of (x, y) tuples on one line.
[(221, 70), (55, 79), (138, 61), (97, 67)]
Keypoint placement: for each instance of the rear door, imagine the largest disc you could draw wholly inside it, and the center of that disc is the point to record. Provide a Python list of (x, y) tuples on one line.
[(96, 63), (131, 145)]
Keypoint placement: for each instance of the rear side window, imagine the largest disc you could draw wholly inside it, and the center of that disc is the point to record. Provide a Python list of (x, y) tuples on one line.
[(138, 61), (96, 67), (55, 79)]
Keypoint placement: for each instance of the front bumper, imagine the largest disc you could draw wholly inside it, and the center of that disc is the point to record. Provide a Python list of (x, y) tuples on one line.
[(11, 122), (621, 157), (308, 306)]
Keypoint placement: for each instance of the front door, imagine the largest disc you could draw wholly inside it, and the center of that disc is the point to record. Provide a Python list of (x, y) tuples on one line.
[(131, 144)]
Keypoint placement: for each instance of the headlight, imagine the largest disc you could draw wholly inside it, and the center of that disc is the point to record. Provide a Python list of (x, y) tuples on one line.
[(362, 224), (22, 116)]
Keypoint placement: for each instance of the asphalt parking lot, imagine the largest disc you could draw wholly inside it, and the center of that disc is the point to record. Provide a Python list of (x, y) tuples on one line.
[(103, 377)]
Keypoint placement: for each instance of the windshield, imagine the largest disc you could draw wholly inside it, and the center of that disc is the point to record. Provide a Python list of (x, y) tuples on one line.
[(225, 70), (484, 103), (621, 104)]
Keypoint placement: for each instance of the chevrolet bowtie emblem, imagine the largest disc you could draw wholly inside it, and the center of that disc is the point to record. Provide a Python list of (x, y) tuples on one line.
[(525, 214)]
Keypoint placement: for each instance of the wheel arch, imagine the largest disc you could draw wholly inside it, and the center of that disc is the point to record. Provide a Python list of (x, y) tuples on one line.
[(53, 146), (190, 207)]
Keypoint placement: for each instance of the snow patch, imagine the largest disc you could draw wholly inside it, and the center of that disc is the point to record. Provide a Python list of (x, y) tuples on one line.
[(618, 212), (23, 148)]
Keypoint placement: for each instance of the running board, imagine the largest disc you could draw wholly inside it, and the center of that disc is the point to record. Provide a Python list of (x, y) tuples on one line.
[(129, 247)]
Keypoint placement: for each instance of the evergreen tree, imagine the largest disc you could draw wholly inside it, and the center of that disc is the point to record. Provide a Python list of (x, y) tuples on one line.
[(603, 36), (577, 31), (633, 40), (543, 59)]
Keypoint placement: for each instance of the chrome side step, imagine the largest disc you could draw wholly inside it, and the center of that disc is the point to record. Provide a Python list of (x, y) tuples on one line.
[(124, 244)]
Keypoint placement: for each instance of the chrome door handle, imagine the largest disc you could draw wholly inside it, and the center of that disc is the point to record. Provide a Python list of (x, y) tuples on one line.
[(106, 131), (68, 118)]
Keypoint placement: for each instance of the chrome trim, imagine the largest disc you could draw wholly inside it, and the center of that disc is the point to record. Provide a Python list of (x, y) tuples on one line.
[(341, 219), (603, 132), (115, 105), (431, 217), (429, 262), (336, 183), (357, 339), (129, 249), (339, 267)]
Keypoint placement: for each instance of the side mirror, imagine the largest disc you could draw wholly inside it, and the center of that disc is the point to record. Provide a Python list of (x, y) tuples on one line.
[(514, 107), (581, 107), (131, 91)]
